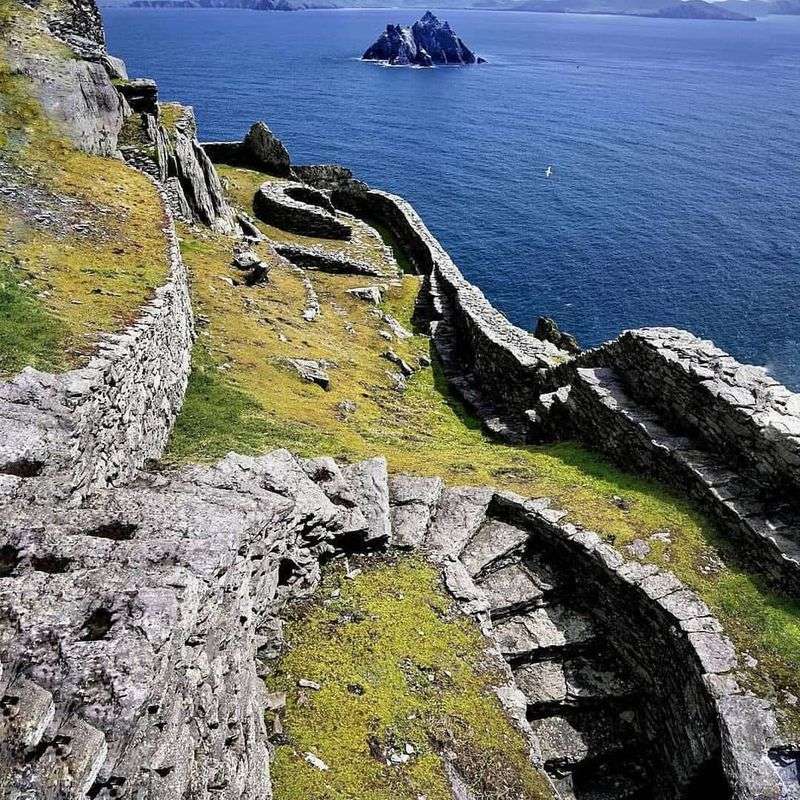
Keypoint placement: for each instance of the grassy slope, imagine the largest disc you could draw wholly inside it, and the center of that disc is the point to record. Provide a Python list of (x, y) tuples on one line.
[(424, 430), (63, 284), (396, 667)]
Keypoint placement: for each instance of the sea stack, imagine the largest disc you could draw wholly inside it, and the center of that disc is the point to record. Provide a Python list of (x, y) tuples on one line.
[(426, 43)]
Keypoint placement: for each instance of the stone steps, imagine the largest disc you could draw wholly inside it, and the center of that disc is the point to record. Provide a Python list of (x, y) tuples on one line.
[(636, 437), (581, 698), (447, 343)]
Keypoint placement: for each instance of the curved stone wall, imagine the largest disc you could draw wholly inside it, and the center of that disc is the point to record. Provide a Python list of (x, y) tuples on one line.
[(103, 422), (509, 365)]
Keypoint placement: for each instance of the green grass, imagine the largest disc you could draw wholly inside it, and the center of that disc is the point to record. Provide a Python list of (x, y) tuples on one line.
[(29, 336), (397, 666), (88, 280)]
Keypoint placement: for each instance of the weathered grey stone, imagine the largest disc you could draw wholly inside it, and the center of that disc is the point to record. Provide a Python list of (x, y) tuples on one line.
[(370, 485), (495, 540), (460, 513), (513, 587), (413, 501), (542, 628), (542, 682), (311, 371), (371, 294), (265, 151)]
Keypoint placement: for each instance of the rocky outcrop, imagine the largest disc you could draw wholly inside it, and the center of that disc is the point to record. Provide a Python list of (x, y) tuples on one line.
[(175, 158), (260, 150), (426, 43), (548, 331)]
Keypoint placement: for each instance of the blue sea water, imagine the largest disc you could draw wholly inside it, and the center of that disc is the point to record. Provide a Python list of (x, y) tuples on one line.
[(676, 194)]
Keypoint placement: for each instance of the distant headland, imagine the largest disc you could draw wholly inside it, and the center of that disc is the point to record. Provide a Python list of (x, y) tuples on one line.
[(683, 9)]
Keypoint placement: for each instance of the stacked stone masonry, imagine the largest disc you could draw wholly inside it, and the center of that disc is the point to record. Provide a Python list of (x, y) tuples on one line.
[(135, 630), (103, 422), (660, 399)]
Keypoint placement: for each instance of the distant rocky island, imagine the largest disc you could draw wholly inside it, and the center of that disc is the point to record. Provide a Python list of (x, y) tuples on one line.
[(426, 43)]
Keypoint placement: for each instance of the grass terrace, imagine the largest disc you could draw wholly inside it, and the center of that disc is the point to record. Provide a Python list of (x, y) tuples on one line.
[(245, 337), (405, 695), (82, 244)]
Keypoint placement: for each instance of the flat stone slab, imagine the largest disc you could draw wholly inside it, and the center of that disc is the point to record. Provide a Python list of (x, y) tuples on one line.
[(461, 512), (511, 587), (369, 482), (413, 501), (542, 682), (550, 627), (493, 541)]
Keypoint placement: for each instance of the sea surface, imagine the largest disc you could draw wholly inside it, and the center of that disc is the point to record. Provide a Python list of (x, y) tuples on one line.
[(675, 198)]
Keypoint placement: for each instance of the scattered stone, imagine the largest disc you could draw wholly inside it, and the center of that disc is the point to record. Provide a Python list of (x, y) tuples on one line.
[(396, 328), (621, 503), (424, 361), (311, 371), (316, 762), (346, 408), (371, 294), (405, 367), (245, 260), (306, 684)]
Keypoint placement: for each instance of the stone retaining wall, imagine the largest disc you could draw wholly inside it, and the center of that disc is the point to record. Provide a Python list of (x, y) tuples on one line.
[(125, 402), (103, 422), (735, 408), (511, 364)]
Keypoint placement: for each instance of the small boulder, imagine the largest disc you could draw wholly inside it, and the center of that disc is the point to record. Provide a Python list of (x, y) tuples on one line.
[(311, 371), (370, 294), (246, 260), (266, 151)]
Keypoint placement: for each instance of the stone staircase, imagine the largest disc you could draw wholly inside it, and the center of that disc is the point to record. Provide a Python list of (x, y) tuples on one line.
[(765, 519), (134, 630)]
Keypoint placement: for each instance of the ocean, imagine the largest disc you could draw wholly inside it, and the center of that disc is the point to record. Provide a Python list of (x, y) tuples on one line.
[(674, 198)]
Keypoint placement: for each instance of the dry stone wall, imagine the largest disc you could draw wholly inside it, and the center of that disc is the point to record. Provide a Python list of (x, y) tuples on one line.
[(125, 401), (507, 366), (105, 421), (658, 399), (733, 407)]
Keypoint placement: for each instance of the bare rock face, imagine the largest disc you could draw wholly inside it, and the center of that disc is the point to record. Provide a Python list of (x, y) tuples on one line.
[(426, 43), (266, 150), (548, 331)]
